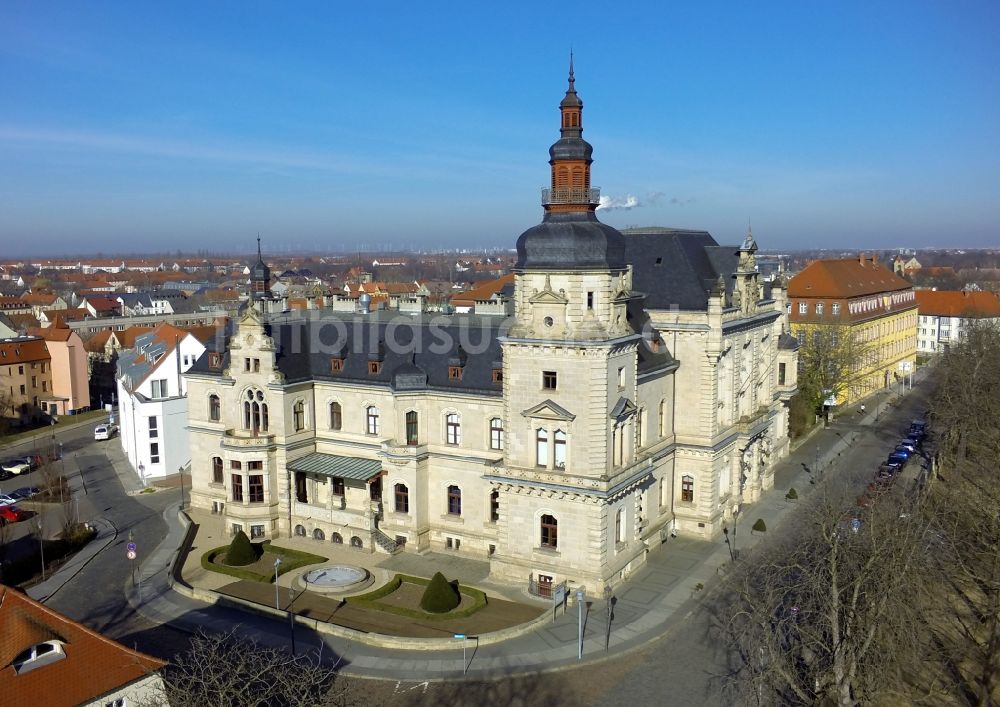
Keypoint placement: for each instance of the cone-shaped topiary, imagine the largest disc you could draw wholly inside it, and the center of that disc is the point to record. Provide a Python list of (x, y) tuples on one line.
[(440, 596), (792, 494), (759, 526), (240, 551)]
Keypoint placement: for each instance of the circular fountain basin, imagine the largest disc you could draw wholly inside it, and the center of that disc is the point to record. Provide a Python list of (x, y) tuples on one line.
[(337, 579)]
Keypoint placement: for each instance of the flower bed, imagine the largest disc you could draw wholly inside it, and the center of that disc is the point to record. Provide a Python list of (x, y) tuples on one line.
[(472, 600), (263, 569)]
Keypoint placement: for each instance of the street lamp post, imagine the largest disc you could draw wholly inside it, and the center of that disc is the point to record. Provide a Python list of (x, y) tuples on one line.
[(277, 600), (580, 595), (180, 470), (41, 543), (609, 598), (732, 555)]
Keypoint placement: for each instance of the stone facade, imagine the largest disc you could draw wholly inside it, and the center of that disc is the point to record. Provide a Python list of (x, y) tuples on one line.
[(562, 443)]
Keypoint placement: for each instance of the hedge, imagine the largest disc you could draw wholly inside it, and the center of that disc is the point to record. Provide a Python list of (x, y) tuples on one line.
[(290, 560), (370, 600)]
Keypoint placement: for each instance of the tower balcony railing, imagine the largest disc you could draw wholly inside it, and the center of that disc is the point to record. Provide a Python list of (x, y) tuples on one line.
[(571, 195)]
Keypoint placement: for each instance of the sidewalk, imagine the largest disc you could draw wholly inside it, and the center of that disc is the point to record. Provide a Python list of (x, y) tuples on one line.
[(659, 596)]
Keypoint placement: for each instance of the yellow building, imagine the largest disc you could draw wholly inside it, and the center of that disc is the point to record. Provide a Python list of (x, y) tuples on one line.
[(862, 299)]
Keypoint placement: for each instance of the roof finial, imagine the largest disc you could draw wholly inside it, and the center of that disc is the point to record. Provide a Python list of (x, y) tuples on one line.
[(572, 79), (258, 245)]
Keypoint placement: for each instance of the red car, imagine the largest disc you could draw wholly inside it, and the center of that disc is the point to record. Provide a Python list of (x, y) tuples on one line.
[(11, 514)]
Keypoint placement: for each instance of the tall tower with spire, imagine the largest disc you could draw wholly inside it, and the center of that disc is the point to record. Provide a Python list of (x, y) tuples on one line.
[(571, 383), (260, 278)]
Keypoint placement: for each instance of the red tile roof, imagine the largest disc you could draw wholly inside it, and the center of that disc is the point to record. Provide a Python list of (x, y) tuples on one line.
[(846, 278), (957, 303), (57, 332), (482, 291), (23, 351), (93, 666)]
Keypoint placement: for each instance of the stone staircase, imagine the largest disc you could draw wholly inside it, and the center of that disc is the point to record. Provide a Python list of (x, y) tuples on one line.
[(385, 543)]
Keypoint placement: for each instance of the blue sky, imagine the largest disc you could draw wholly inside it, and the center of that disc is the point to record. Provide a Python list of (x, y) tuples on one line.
[(131, 127)]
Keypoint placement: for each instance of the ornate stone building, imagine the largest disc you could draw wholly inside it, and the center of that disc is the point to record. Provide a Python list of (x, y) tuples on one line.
[(637, 391)]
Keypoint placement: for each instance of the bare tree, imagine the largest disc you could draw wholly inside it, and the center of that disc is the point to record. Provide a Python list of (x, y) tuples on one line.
[(833, 362), (224, 670), (827, 612)]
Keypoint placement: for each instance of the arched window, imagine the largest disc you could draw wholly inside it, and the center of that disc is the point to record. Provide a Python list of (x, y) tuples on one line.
[(496, 433), (356, 542), (217, 477), (620, 526), (214, 408), (662, 423), (337, 539), (299, 415), (318, 534), (454, 501), (542, 447), (559, 448), (453, 428), (402, 496), (300, 531), (255, 412), (550, 531), (411, 428), (687, 489), (371, 418), (336, 416)]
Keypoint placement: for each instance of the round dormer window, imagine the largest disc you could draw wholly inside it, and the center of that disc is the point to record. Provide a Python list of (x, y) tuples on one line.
[(547, 321)]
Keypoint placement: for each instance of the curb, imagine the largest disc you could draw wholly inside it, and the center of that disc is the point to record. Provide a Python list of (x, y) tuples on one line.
[(75, 564)]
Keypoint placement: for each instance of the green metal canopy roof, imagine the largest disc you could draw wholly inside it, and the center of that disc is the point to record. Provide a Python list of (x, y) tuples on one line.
[(334, 465)]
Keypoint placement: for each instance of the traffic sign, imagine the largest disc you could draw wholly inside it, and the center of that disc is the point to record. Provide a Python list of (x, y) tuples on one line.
[(131, 554), (856, 524), (130, 547)]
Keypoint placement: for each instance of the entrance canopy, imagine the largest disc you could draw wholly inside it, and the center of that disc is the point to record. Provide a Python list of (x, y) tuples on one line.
[(338, 466)]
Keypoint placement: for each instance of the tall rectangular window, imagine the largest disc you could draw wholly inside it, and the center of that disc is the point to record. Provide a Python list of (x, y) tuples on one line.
[(301, 491), (371, 414), (237, 487), (803, 307), (496, 433), (781, 374), (453, 428), (154, 453), (337, 486), (159, 388), (621, 379), (687, 489), (153, 431), (256, 488), (819, 308), (411, 428), (835, 309), (542, 447), (559, 449), (590, 300), (549, 380), (246, 365), (256, 365), (454, 500)]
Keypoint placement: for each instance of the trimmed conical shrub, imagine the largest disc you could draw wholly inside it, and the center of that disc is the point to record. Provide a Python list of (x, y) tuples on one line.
[(240, 551), (792, 494), (440, 596), (759, 526)]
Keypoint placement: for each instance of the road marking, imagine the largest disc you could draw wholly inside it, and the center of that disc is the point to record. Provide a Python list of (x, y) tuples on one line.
[(423, 685)]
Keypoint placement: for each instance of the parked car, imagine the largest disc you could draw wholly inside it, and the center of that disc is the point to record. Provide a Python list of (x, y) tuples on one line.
[(917, 440), (898, 458), (907, 445), (25, 492), (33, 461), (106, 431), (16, 466), (11, 514), (918, 427), (6, 499)]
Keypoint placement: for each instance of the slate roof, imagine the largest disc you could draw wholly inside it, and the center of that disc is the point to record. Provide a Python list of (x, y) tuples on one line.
[(150, 349), (93, 666), (677, 267)]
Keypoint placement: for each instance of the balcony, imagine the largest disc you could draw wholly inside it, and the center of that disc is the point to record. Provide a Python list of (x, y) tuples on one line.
[(571, 195), (246, 440)]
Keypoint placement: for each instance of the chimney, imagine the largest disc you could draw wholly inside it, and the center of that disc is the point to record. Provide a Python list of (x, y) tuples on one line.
[(861, 258)]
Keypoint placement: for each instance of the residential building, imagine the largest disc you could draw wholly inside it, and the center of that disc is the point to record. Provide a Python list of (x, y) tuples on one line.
[(152, 400), (870, 303), (25, 378), (637, 391), (944, 315), (70, 373), (51, 660)]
